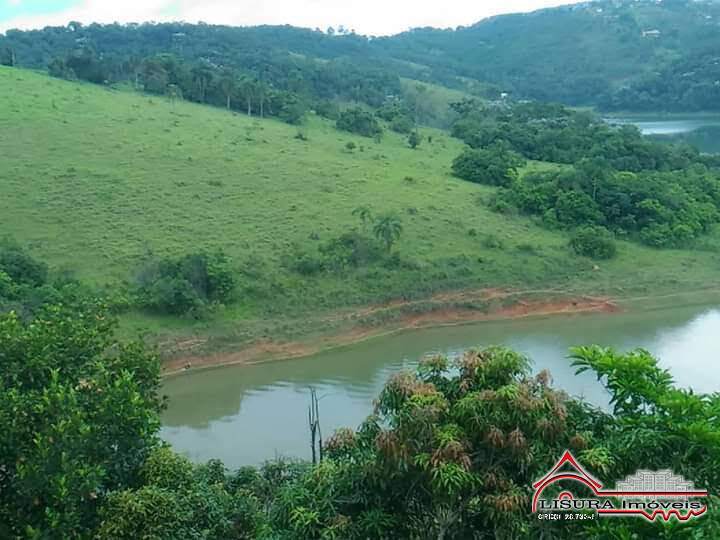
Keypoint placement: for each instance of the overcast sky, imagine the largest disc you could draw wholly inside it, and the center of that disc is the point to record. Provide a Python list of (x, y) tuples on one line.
[(371, 17)]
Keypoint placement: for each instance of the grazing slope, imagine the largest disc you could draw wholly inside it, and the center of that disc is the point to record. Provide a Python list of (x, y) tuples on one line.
[(92, 179)]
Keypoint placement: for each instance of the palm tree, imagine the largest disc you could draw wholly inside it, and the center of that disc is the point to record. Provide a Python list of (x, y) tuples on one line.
[(388, 229), (365, 215)]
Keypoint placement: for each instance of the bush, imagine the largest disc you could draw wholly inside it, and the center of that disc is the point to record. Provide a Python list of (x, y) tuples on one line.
[(593, 242), (327, 109), (414, 140), (181, 286), (21, 267), (501, 206), (495, 166), (352, 249), (657, 235), (402, 124), (492, 241), (358, 121)]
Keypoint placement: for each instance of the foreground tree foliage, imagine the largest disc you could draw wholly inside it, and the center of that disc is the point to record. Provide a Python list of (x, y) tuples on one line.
[(451, 451), (78, 417), (79, 453)]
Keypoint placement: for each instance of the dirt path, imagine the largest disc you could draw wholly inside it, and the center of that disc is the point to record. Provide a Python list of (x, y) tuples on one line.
[(444, 315)]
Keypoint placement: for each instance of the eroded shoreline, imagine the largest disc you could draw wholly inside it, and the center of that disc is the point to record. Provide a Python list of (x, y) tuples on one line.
[(501, 305)]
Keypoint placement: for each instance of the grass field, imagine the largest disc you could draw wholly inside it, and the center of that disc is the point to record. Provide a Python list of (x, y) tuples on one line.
[(92, 179)]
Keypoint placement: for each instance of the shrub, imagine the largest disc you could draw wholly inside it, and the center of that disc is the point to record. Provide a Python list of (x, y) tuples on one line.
[(500, 205), (414, 140), (402, 124), (21, 267), (327, 109), (358, 121), (352, 249), (495, 166), (657, 235), (527, 248), (594, 242), (180, 286), (492, 241)]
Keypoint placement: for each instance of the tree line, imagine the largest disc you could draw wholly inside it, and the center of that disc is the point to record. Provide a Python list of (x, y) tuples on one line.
[(249, 70), (578, 56)]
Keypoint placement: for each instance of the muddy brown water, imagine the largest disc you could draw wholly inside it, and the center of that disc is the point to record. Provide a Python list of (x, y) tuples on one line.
[(244, 415)]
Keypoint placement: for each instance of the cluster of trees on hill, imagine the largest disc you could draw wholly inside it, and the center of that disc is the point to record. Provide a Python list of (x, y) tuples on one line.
[(451, 451), (553, 133), (240, 69), (691, 83), (191, 285), (611, 176)]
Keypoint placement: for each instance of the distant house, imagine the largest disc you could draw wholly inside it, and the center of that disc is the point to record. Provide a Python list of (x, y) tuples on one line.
[(651, 33)]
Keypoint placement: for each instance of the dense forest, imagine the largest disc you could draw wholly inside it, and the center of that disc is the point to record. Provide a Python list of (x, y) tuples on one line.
[(639, 55)]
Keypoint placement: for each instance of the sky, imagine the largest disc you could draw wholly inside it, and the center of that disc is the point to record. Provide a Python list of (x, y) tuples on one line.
[(369, 17)]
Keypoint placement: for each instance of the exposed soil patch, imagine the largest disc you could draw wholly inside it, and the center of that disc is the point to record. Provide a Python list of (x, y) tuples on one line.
[(512, 306)]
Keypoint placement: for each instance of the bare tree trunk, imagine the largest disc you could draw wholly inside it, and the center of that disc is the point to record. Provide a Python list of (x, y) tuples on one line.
[(249, 104), (314, 424), (228, 102)]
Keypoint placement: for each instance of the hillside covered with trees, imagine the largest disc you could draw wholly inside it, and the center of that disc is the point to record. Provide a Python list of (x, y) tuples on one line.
[(617, 55)]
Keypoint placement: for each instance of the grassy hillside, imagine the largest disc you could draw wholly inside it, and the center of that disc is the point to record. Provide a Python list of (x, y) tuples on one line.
[(92, 179)]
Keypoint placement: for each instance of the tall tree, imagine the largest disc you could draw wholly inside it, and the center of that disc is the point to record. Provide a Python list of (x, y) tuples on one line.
[(248, 91), (228, 85), (202, 78), (388, 229)]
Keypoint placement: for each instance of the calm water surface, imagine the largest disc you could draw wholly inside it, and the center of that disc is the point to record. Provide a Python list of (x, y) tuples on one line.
[(244, 415), (702, 131)]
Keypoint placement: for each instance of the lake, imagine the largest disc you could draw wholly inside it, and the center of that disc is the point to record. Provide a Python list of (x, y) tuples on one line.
[(244, 415), (702, 131)]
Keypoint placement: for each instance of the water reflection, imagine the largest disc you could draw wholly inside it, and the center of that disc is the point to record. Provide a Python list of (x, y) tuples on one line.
[(244, 415), (702, 131)]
